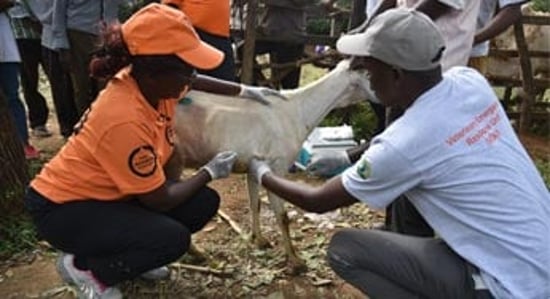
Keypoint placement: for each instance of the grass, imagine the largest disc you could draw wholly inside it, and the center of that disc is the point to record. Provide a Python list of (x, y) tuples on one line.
[(16, 229), (17, 234), (543, 166)]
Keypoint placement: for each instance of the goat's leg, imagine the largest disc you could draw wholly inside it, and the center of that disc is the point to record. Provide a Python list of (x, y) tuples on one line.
[(254, 196), (294, 263)]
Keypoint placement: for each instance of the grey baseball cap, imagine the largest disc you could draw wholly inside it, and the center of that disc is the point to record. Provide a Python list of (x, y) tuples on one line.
[(401, 37)]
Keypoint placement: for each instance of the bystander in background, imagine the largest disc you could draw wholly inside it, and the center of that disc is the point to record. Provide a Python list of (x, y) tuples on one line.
[(9, 79), (27, 30)]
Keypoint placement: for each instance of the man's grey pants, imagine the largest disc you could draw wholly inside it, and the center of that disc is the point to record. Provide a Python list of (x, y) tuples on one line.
[(389, 265)]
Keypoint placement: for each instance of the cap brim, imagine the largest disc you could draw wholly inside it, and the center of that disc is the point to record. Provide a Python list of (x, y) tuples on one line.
[(203, 57), (353, 44)]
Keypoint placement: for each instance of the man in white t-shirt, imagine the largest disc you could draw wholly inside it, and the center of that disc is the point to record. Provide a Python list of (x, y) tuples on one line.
[(491, 24), (456, 19), (458, 160)]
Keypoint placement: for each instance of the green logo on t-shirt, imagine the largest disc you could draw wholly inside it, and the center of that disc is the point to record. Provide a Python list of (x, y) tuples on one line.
[(363, 169)]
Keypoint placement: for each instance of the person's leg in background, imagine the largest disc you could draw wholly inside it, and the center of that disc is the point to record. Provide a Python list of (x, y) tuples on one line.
[(31, 57), (262, 47), (284, 53), (226, 70), (389, 265), (62, 92), (9, 83), (82, 45)]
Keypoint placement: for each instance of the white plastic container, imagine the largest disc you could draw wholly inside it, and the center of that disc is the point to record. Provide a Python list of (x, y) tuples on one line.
[(325, 139)]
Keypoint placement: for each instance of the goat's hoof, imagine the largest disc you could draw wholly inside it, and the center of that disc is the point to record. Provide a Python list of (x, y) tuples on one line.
[(262, 243)]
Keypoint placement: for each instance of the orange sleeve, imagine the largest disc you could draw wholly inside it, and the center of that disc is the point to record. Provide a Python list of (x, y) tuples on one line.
[(127, 155)]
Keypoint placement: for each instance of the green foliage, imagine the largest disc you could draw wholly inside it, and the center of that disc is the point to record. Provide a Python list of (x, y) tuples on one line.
[(321, 24), (541, 5), (34, 167), (11, 196), (360, 117), (17, 234), (318, 26), (130, 7), (544, 168)]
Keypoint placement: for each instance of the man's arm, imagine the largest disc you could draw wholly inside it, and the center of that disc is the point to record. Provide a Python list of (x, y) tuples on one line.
[(504, 18), (328, 197)]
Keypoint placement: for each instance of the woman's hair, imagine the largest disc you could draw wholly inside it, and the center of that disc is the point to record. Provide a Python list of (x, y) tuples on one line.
[(112, 54)]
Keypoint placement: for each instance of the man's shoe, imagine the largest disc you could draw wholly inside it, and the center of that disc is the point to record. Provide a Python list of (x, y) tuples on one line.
[(87, 286), (160, 273), (41, 132)]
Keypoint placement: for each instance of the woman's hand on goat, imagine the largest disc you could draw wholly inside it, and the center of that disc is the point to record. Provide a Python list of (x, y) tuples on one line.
[(259, 94), (257, 168), (220, 166)]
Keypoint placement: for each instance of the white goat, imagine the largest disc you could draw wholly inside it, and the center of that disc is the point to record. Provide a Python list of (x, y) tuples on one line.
[(213, 123)]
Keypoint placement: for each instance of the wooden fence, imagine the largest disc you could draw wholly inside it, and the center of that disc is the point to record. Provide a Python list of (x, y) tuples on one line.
[(529, 109)]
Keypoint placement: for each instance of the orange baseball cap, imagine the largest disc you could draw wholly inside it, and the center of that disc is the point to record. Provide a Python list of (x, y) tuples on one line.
[(158, 29)]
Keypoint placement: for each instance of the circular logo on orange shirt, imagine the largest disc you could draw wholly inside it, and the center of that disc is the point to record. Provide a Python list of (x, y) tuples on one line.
[(143, 161)]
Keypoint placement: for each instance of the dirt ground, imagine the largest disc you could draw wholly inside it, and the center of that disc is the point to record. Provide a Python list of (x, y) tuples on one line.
[(234, 267)]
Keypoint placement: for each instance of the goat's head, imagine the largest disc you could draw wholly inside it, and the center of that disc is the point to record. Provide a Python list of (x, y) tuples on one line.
[(359, 86)]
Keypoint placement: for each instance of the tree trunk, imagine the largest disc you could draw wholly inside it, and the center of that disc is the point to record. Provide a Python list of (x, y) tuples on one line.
[(14, 174)]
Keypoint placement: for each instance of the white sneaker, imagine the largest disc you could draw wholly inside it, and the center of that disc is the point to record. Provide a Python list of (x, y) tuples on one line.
[(160, 273), (88, 287)]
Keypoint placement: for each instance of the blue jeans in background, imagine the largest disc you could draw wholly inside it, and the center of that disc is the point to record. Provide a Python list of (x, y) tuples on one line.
[(9, 83)]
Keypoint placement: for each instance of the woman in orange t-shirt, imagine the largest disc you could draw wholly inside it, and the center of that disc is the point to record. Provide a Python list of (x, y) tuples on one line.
[(210, 18), (105, 199)]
